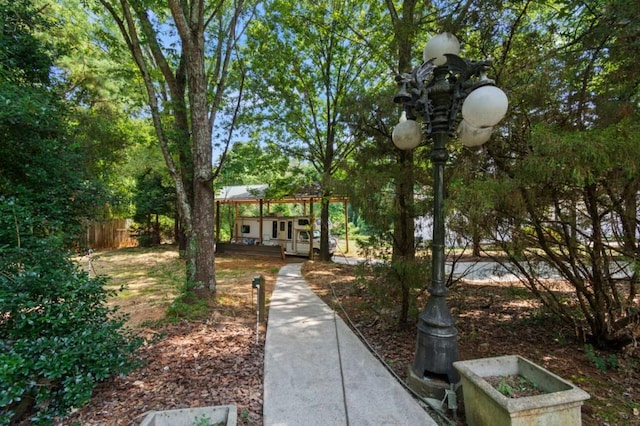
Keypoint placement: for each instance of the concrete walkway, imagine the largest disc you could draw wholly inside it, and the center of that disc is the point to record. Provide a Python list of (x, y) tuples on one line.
[(317, 372)]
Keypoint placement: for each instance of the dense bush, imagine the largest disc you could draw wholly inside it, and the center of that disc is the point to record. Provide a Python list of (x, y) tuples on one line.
[(57, 336)]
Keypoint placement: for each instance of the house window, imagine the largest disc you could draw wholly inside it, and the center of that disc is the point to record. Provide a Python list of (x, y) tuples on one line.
[(274, 229), (245, 229)]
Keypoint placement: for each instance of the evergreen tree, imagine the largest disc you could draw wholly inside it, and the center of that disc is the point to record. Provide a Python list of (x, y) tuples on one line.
[(57, 337)]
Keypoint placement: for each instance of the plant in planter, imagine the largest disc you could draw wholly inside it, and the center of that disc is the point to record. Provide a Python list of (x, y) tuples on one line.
[(554, 401), (514, 386)]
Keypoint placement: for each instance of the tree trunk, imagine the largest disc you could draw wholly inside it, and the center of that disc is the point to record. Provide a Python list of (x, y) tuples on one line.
[(180, 237), (404, 226), (324, 229), (324, 204), (204, 224), (156, 231), (475, 244), (202, 246)]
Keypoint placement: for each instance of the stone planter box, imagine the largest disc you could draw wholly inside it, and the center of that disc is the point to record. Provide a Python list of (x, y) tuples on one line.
[(201, 416), (484, 405)]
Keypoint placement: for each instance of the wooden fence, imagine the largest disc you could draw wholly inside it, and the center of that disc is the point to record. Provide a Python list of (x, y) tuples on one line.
[(110, 234)]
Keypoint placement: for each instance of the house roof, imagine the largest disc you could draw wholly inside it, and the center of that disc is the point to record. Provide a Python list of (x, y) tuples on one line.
[(241, 193), (254, 193)]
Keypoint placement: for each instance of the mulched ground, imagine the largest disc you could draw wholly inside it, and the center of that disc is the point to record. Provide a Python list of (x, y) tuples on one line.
[(217, 361), (493, 320), (194, 364)]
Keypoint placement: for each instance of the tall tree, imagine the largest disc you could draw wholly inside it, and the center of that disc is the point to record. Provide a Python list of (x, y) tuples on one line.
[(307, 63), (105, 107), (248, 163), (37, 148), (57, 336), (184, 55), (405, 26), (403, 175)]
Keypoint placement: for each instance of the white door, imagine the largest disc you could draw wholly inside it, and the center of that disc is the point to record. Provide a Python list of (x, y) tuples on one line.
[(302, 242)]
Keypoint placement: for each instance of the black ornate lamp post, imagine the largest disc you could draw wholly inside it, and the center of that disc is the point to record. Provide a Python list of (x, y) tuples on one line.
[(451, 96)]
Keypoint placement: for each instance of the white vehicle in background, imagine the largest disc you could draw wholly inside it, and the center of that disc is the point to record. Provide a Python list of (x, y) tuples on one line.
[(290, 233)]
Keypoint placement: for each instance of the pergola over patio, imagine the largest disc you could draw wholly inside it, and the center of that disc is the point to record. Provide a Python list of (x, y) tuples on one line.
[(258, 195)]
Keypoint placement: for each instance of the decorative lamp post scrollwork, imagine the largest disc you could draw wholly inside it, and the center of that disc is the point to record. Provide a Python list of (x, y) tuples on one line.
[(449, 95)]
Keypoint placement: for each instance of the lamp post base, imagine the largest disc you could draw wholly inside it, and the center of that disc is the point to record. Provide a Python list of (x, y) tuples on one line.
[(432, 374), (433, 387), (436, 346)]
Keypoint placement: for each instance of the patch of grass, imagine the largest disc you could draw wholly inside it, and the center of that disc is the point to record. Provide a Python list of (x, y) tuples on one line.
[(168, 275), (633, 405), (153, 324), (613, 408), (187, 307), (126, 294), (517, 292), (150, 283), (229, 274), (148, 290)]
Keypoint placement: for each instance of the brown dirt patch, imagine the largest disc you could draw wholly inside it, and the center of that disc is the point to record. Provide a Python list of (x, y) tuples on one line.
[(494, 320)]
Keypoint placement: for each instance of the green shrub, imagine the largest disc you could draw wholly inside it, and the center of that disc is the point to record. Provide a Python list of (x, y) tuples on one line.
[(601, 363), (393, 285), (386, 281), (58, 338)]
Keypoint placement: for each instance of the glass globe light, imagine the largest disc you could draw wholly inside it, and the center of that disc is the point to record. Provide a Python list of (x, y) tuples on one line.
[(485, 107), (407, 134), (472, 136), (438, 46)]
